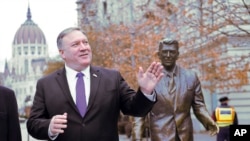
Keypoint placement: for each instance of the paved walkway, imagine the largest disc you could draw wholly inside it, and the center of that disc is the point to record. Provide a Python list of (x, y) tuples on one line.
[(197, 137)]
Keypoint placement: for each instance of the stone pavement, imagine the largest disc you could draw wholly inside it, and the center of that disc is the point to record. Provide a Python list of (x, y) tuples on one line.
[(204, 136)]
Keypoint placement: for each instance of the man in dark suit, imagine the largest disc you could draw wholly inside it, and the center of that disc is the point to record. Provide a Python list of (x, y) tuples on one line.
[(55, 114), (177, 92), (9, 121)]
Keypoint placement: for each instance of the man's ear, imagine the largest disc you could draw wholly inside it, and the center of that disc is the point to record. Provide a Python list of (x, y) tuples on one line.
[(158, 53), (61, 52), (178, 54)]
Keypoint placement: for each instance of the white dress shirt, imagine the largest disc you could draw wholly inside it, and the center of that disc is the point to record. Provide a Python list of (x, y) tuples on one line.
[(72, 78)]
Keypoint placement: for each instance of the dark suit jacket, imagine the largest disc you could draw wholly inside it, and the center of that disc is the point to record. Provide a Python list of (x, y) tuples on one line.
[(9, 121), (109, 94)]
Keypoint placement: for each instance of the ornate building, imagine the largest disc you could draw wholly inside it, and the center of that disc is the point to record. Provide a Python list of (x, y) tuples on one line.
[(28, 60)]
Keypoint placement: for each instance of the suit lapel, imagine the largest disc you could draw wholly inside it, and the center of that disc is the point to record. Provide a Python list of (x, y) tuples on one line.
[(95, 77), (63, 83)]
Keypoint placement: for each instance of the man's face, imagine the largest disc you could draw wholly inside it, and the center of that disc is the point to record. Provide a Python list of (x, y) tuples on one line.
[(76, 51), (168, 56)]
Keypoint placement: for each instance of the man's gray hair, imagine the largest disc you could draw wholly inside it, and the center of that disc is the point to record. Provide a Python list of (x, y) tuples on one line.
[(64, 33)]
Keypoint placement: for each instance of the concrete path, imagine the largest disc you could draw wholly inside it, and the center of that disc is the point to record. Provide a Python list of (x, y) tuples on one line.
[(197, 137)]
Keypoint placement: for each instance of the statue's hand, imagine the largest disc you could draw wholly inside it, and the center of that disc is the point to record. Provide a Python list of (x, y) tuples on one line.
[(214, 129)]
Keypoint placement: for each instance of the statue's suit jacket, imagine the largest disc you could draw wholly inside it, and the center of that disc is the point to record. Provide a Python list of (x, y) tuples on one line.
[(109, 93), (9, 121), (171, 114)]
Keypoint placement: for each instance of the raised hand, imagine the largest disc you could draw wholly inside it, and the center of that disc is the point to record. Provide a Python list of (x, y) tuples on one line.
[(148, 80)]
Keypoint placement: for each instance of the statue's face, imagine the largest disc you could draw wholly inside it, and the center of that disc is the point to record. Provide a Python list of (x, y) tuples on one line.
[(168, 56)]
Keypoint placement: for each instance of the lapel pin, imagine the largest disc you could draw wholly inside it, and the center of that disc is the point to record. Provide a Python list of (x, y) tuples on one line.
[(94, 75)]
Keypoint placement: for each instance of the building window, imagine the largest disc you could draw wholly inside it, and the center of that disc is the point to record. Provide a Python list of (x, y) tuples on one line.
[(39, 50), (31, 89), (104, 7), (14, 52), (25, 50), (26, 66), (24, 89), (33, 49), (44, 50), (19, 50)]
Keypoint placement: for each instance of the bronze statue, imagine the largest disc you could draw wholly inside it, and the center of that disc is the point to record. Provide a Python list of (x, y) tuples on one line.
[(178, 91)]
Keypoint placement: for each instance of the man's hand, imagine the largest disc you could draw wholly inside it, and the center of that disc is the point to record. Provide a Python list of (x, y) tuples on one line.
[(148, 80), (57, 124)]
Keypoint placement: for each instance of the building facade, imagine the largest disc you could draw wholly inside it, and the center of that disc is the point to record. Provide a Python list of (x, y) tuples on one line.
[(200, 26), (27, 63)]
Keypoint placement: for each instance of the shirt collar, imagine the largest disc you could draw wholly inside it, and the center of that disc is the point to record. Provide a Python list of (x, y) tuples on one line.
[(169, 73), (72, 72)]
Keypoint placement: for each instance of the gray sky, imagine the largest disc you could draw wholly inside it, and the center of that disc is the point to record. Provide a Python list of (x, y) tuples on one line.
[(51, 16)]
